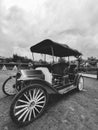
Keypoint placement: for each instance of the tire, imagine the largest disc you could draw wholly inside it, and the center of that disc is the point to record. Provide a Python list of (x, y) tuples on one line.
[(8, 86), (80, 84), (28, 104)]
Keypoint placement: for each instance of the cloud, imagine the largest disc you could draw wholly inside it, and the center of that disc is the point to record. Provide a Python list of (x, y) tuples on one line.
[(80, 29), (24, 23)]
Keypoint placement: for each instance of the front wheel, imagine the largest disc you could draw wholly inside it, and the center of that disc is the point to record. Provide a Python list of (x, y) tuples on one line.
[(80, 85), (28, 105)]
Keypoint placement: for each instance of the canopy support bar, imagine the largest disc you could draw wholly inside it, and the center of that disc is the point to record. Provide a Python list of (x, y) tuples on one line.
[(52, 53), (44, 57), (33, 56)]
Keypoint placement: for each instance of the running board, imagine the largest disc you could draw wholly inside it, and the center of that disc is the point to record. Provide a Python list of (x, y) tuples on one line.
[(65, 90)]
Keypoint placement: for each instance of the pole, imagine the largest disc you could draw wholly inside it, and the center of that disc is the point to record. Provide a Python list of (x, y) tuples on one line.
[(97, 73), (45, 57), (52, 53), (33, 56), (68, 59)]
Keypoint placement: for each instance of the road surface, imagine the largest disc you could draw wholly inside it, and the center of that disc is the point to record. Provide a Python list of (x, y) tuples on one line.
[(72, 111)]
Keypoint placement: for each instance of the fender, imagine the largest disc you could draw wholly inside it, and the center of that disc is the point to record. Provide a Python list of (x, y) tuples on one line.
[(47, 86)]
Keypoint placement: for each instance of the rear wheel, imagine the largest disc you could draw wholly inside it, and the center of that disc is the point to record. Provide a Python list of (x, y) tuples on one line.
[(28, 105), (8, 86), (80, 85)]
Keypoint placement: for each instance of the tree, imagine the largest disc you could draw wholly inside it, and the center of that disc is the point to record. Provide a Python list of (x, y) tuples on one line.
[(21, 59), (92, 61)]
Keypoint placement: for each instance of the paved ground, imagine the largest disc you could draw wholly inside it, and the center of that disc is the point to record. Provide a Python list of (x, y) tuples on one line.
[(73, 111)]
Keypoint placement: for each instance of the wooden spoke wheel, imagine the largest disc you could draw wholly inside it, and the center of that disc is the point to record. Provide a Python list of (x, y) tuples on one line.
[(80, 85), (8, 86)]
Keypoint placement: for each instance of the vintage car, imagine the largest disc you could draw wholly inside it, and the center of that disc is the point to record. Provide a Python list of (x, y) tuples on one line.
[(35, 85)]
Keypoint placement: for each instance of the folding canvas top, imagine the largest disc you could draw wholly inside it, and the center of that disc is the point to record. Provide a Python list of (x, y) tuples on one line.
[(53, 48)]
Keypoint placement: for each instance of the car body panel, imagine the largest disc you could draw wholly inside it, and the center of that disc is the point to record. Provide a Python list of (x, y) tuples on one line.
[(30, 76)]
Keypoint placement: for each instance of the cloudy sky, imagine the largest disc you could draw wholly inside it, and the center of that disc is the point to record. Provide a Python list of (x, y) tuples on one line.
[(26, 22)]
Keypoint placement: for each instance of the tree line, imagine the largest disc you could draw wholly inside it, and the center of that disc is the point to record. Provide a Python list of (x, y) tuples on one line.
[(17, 59)]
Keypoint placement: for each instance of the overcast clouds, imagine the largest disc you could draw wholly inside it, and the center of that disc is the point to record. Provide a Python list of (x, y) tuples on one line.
[(26, 22)]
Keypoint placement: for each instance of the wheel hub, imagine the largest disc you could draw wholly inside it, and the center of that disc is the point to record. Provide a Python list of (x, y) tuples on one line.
[(32, 105)]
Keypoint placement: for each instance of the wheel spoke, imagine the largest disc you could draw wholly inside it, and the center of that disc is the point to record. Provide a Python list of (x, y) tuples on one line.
[(39, 95), (21, 106), (34, 112), (37, 110), (41, 106), (40, 98), (10, 90), (26, 116), (25, 112), (27, 97), (40, 102), (30, 95), (20, 111), (30, 113), (34, 93), (23, 101)]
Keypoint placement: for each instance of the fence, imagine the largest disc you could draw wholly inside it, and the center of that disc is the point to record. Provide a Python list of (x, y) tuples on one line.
[(11, 66)]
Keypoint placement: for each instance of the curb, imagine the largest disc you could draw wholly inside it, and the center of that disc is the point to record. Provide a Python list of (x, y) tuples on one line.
[(89, 76)]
